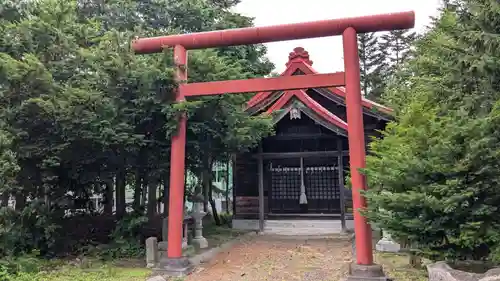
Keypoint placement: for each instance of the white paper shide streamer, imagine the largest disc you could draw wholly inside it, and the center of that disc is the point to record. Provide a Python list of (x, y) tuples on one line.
[(303, 197)]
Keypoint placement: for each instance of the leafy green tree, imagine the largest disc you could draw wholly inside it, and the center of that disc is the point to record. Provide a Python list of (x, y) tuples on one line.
[(218, 126), (433, 177), (83, 115), (176, 17), (77, 111), (8, 168)]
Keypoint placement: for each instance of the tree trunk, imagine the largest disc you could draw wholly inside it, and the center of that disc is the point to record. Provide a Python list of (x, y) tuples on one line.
[(151, 208), (212, 202), (207, 182), (205, 179), (160, 200), (136, 205), (120, 193), (166, 193), (20, 201), (415, 261), (228, 164), (5, 199), (108, 197), (145, 186)]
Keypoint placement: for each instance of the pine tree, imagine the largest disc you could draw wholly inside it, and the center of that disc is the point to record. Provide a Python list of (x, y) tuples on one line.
[(397, 46), (388, 55), (370, 58)]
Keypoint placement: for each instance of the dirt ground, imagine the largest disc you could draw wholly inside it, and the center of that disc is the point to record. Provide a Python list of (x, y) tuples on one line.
[(274, 258)]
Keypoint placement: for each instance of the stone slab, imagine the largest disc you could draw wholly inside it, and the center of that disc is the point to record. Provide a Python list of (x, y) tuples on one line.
[(242, 224), (441, 271), (359, 278), (151, 252), (156, 278)]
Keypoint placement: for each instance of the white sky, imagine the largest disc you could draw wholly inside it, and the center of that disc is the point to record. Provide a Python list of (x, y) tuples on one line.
[(326, 53)]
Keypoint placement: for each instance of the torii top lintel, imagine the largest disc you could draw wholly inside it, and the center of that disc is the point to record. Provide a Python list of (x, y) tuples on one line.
[(255, 35)]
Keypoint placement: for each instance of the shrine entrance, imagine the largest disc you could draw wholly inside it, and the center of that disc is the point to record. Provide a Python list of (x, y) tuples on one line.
[(285, 90), (303, 168), (317, 178)]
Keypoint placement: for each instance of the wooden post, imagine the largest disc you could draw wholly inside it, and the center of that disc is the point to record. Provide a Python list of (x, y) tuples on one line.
[(261, 191), (357, 154), (177, 172)]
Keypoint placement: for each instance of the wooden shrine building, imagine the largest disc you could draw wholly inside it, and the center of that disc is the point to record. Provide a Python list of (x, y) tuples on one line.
[(300, 170)]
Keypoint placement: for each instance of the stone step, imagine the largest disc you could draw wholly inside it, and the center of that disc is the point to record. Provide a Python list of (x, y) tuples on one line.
[(303, 227), (304, 232), (284, 226), (303, 223)]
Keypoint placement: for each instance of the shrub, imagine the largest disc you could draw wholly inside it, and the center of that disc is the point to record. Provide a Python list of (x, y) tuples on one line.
[(226, 219), (27, 230)]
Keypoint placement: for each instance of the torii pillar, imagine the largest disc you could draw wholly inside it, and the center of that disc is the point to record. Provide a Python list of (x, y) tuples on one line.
[(363, 268)]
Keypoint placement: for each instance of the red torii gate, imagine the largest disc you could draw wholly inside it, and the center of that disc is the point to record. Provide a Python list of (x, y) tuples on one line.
[(349, 28)]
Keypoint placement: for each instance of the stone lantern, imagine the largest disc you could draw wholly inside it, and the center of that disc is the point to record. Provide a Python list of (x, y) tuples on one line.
[(198, 214)]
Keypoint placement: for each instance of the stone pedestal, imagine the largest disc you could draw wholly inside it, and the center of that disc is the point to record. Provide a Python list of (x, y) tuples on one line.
[(386, 244), (176, 267), (198, 214), (372, 272)]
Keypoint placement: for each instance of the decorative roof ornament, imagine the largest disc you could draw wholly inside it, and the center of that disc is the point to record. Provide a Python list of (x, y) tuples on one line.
[(295, 113), (299, 54)]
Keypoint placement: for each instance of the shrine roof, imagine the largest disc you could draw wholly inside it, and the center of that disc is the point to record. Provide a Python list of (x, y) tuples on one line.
[(299, 63), (304, 99)]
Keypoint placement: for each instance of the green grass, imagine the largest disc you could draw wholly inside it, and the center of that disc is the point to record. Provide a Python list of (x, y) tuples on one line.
[(397, 267), (73, 273), (94, 269), (106, 273)]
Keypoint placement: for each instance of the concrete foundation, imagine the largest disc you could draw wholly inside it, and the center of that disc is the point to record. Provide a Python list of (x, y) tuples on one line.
[(177, 267), (372, 272)]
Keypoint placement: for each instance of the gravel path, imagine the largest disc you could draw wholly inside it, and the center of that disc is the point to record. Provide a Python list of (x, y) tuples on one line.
[(276, 258)]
